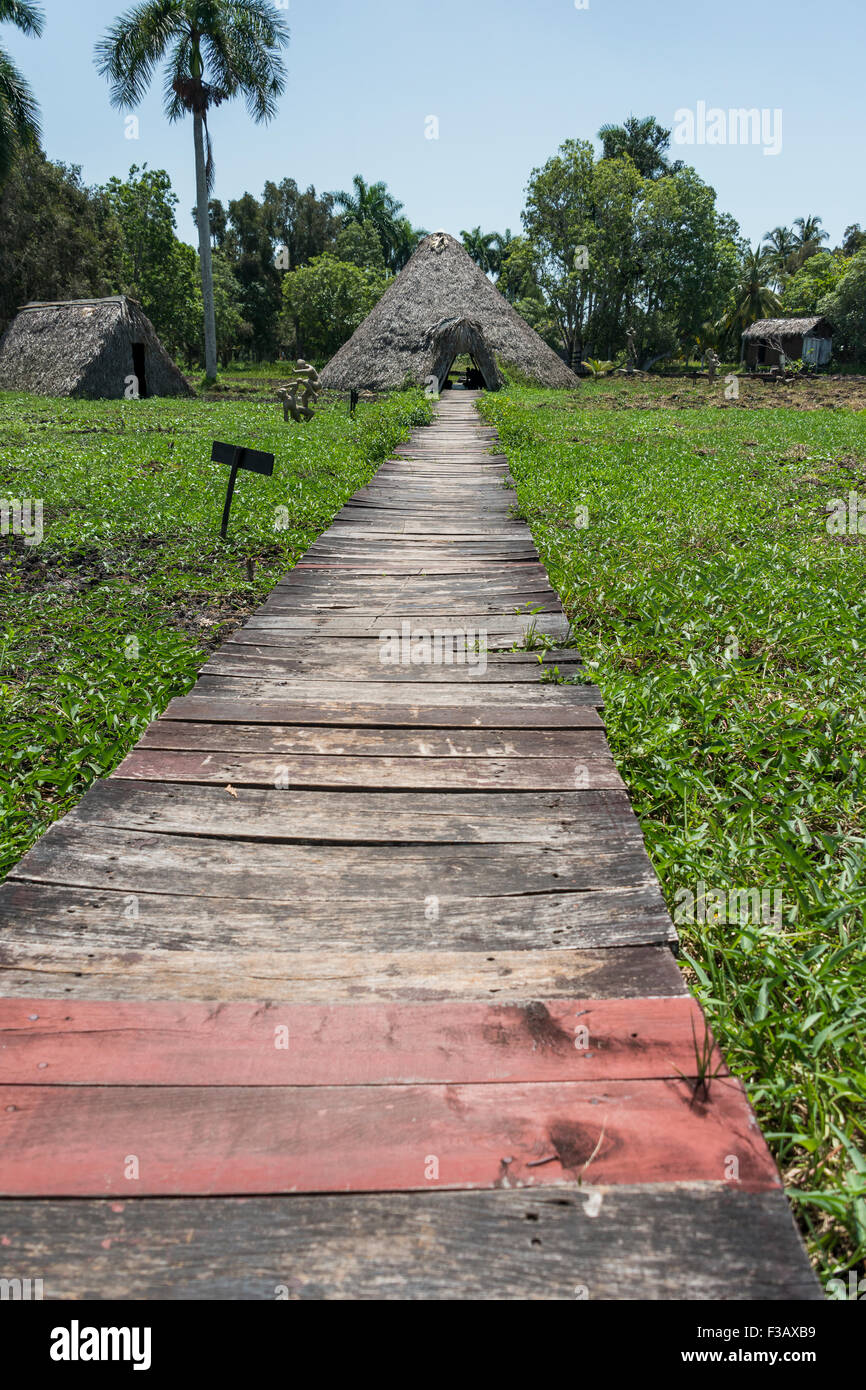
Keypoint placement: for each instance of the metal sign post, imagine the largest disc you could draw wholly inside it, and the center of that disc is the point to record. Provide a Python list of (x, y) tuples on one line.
[(252, 460)]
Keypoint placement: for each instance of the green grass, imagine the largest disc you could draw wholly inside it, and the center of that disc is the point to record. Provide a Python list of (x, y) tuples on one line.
[(112, 615), (726, 629)]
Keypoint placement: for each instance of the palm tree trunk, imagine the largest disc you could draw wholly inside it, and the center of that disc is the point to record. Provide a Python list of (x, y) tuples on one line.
[(203, 215)]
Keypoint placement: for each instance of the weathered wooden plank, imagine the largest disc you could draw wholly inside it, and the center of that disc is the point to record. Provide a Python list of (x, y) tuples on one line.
[(371, 663), (445, 774), (549, 818), (54, 1042), (416, 711), (474, 698), (56, 967), (621, 1243), (372, 621), (136, 861), (404, 743), (496, 631), (76, 1141), (32, 912)]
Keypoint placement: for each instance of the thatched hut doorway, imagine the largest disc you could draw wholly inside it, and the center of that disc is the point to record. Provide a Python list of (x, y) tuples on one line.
[(457, 337), (139, 367)]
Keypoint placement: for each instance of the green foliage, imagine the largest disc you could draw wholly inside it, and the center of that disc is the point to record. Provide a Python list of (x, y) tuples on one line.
[(816, 278), (373, 203), (725, 627), (58, 239), (159, 271), (112, 614), (325, 302), (752, 297), (846, 310), (612, 250), (644, 141), (359, 243), (19, 113), (233, 331)]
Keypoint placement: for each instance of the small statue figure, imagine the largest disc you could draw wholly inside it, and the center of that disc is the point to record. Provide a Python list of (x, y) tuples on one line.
[(305, 375), (632, 351), (713, 362)]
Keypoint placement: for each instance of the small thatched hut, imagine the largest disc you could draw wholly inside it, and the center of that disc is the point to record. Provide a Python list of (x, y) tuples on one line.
[(98, 348), (772, 342), (441, 305)]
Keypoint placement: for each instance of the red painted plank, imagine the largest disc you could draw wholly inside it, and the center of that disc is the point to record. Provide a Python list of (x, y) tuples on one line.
[(55, 1042), (87, 1141)]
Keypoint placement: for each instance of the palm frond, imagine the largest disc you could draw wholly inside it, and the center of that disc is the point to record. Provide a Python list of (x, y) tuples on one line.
[(26, 16), (244, 54), (134, 46)]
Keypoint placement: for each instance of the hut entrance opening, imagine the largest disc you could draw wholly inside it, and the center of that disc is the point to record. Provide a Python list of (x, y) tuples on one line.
[(462, 337), (139, 359)]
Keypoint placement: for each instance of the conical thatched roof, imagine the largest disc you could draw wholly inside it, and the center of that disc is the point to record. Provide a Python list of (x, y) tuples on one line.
[(440, 300), (87, 347)]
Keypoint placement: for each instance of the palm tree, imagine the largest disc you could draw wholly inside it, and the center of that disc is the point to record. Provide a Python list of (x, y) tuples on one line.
[(406, 239), (504, 242), (19, 114), (807, 240), (752, 297), (643, 140), (780, 245), (237, 44), (483, 247), (371, 202)]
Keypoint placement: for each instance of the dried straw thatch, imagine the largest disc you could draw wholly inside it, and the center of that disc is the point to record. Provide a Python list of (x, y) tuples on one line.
[(788, 328), (441, 304), (98, 348)]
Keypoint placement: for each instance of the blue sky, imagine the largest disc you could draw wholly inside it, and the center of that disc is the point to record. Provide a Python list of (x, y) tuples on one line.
[(508, 82)]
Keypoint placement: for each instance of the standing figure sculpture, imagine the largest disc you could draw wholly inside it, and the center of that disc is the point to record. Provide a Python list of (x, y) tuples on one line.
[(632, 351)]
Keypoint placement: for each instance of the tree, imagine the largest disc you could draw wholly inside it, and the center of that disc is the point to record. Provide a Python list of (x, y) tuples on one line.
[(19, 113), (359, 243), (517, 278), (846, 310), (371, 202), (232, 328), (301, 225), (250, 247), (854, 241), (752, 297), (558, 219), (155, 268), (808, 237), (324, 302), (780, 245), (238, 44), (58, 238), (644, 141), (405, 242), (483, 247), (818, 277)]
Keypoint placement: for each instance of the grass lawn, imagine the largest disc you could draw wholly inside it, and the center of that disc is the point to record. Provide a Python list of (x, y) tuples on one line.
[(114, 612), (727, 630)]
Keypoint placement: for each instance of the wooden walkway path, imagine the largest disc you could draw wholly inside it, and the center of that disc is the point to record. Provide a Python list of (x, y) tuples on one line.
[(355, 979)]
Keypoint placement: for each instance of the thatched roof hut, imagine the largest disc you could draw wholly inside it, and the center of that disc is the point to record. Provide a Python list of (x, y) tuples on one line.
[(98, 348), (772, 342), (441, 304)]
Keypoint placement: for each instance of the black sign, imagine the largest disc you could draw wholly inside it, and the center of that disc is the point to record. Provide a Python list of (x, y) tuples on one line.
[(252, 460)]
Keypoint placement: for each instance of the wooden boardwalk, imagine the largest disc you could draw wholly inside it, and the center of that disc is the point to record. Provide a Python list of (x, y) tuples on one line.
[(355, 980)]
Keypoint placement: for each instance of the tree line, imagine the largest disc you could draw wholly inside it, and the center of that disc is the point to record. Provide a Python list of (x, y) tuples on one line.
[(614, 244)]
